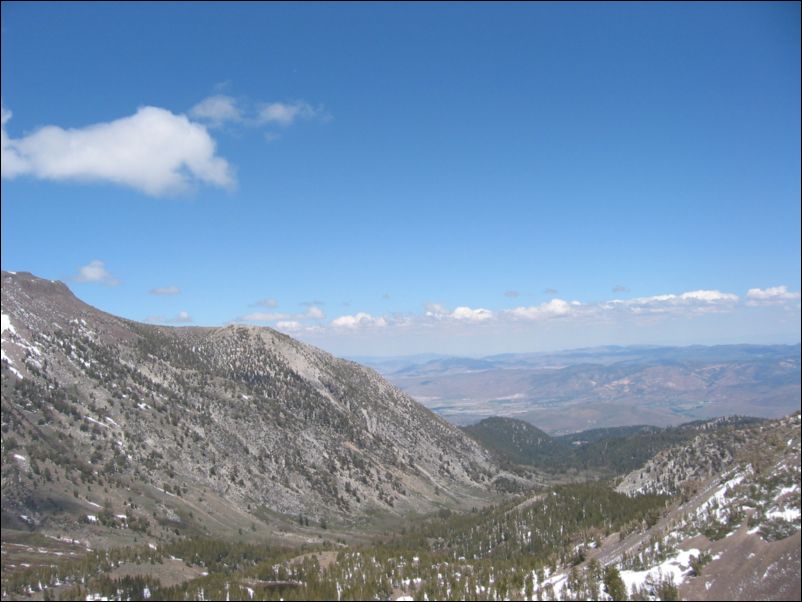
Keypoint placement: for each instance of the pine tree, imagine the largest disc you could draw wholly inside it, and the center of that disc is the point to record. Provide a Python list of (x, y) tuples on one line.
[(613, 584)]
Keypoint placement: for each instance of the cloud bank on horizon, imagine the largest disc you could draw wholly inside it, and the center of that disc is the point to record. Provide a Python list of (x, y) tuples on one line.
[(436, 319), (687, 304)]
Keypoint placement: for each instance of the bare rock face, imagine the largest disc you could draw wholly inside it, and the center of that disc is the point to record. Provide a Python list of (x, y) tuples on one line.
[(249, 415)]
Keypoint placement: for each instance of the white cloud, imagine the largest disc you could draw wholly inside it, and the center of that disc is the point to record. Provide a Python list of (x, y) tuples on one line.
[(471, 315), (462, 313), (153, 150), (289, 325), (286, 113), (771, 296), (216, 110), (691, 302), (220, 109), (358, 320), (708, 296), (549, 309), (165, 291), (11, 163), (183, 317), (435, 310), (314, 313), (95, 271)]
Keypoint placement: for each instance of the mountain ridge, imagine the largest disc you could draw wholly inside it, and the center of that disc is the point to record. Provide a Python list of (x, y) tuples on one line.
[(94, 398)]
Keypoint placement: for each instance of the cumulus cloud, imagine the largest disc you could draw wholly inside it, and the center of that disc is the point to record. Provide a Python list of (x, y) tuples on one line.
[(153, 150), (216, 110), (462, 313), (699, 301), (708, 296), (314, 313), (95, 271), (549, 309), (11, 163), (165, 291), (771, 296), (358, 320), (183, 317), (285, 114), (471, 315), (435, 310), (221, 109), (289, 325)]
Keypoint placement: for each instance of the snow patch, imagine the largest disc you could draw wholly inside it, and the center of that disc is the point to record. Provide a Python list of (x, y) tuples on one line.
[(6, 324), (677, 567), (789, 514)]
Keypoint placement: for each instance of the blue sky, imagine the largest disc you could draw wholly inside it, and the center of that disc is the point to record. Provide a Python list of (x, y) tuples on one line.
[(391, 178)]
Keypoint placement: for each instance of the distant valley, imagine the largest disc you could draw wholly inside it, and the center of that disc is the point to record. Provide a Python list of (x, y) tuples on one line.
[(148, 462), (581, 389)]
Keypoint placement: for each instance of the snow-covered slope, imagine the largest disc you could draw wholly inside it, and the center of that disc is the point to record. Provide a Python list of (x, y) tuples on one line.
[(728, 534)]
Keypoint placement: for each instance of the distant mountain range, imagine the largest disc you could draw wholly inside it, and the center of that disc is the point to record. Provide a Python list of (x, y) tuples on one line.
[(580, 389)]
